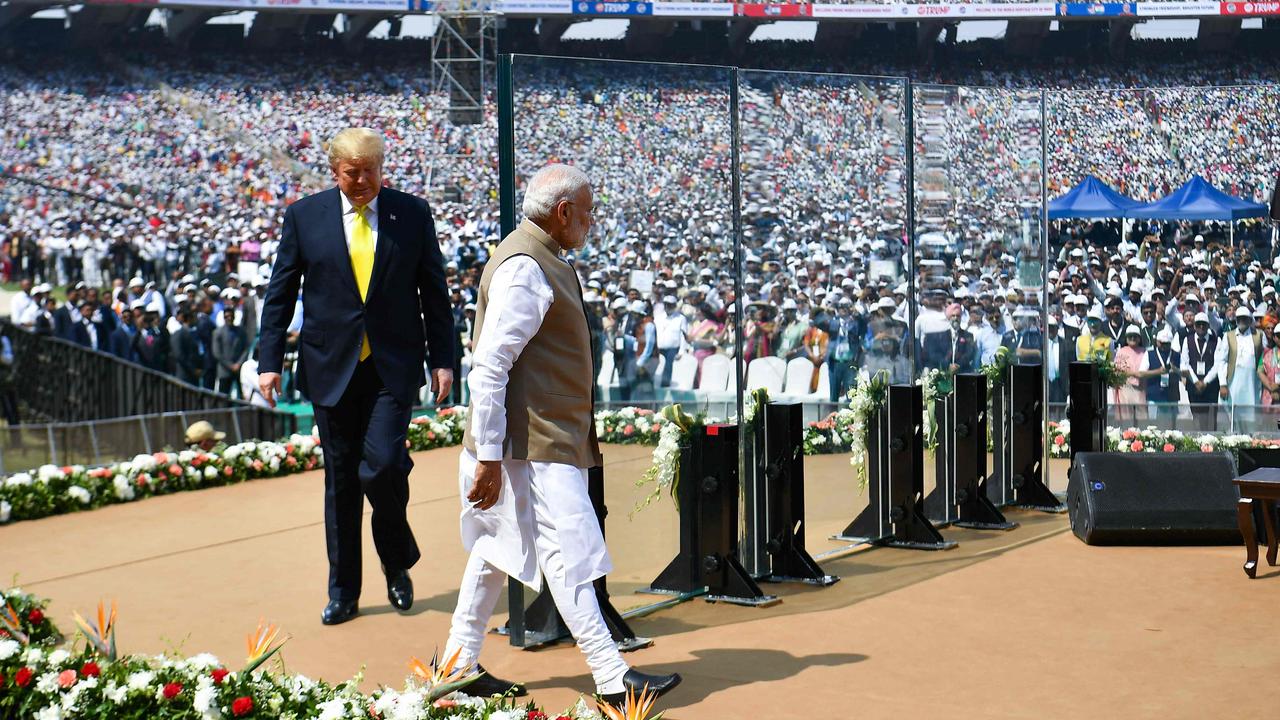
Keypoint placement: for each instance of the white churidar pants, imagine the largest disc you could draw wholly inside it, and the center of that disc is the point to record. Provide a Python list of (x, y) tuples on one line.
[(557, 495)]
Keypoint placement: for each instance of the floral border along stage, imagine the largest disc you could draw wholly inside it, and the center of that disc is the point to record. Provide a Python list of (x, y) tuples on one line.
[(85, 678), (1153, 440), (53, 490)]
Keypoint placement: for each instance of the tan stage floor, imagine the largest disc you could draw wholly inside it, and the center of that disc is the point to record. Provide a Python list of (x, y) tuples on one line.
[(1024, 624)]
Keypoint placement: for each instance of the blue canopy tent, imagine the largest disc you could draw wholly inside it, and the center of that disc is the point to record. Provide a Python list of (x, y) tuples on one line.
[(1092, 198), (1198, 200)]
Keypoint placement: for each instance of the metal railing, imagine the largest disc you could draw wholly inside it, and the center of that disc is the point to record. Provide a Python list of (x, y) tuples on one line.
[(61, 382)]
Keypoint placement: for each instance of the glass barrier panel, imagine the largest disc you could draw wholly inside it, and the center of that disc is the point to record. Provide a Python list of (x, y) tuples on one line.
[(823, 213), (657, 267), (979, 243)]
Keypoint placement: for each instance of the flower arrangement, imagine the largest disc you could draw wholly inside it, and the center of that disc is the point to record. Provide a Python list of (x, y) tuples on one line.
[(997, 371), (664, 473), (629, 426), (1154, 440), (865, 401), (444, 429), (832, 434), (936, 383), (1110, 375), (40, 680)]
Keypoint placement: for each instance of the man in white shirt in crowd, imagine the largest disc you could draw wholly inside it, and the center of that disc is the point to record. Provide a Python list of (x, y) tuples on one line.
[(672, 327), (22, 302)]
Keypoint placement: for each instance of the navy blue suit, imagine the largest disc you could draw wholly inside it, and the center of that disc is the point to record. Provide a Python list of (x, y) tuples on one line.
[(362, 408)]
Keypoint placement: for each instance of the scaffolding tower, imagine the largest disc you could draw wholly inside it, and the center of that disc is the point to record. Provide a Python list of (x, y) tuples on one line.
[(463, 52)]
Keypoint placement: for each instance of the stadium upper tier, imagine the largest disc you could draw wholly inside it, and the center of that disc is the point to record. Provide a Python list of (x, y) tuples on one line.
[(819, 9)]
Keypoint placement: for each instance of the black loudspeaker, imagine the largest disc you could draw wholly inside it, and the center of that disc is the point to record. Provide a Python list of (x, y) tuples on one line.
[(1154, 499)]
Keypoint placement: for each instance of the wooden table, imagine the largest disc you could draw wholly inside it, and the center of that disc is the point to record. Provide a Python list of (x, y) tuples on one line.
[(1261, 485)]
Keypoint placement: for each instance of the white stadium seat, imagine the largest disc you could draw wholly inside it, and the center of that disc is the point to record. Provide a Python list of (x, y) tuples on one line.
[(767, 373)]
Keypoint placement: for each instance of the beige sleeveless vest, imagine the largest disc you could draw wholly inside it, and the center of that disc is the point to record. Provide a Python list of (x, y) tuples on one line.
[(550, 390)]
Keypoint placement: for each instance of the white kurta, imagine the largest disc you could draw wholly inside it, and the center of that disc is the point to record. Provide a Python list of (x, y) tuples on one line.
[(1243, 389), (504, 535)]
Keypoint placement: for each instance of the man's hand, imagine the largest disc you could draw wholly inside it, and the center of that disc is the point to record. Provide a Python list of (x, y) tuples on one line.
[(441, 383), (488, 484), (1222, 393), (269, 384)]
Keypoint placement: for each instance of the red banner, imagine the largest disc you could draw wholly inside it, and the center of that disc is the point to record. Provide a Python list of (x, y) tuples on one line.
[(1250, 8), (764, 10)]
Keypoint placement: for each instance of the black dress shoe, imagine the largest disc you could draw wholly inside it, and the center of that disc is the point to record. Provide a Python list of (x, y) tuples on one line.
[(489, 685), (339, 611), (637, 681), (400, 590)]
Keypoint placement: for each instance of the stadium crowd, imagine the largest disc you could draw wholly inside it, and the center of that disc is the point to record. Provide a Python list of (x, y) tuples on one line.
[(155, 207)]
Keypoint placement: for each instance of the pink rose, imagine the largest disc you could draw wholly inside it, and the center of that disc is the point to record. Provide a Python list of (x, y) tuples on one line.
[(1206, 448), (1136, 446), (1060, 440), (1168, 447), (66, 678), (1129, 434)]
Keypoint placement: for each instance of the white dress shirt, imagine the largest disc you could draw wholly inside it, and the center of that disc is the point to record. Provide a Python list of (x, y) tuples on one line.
[(349, 218), (671, 330), (19, 307), (519, 298)]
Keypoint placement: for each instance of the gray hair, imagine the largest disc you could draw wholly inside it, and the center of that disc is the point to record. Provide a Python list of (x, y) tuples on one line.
[(549, 186)]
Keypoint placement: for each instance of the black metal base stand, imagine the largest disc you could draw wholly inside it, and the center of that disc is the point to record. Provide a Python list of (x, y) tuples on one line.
[(781, 438), (895, 470), (708, 498)]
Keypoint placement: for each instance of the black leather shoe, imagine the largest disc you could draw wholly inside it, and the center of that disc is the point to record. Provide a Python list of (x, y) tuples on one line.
[(637, 681), (400, 590), (339, 611), (489, 685)]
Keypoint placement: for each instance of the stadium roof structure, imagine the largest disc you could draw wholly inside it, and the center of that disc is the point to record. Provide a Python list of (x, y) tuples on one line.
[(1092, 198), (1198, 200)]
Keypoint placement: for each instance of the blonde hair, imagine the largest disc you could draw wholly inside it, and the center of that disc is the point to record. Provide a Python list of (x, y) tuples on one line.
[(355, 144)]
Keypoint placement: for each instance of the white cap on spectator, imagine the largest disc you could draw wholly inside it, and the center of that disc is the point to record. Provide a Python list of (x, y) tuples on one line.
[(1243, 312), (1201, 318), (1164, 336)]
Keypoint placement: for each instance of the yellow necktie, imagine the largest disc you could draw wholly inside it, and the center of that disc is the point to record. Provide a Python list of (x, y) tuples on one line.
[(362, 263)]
